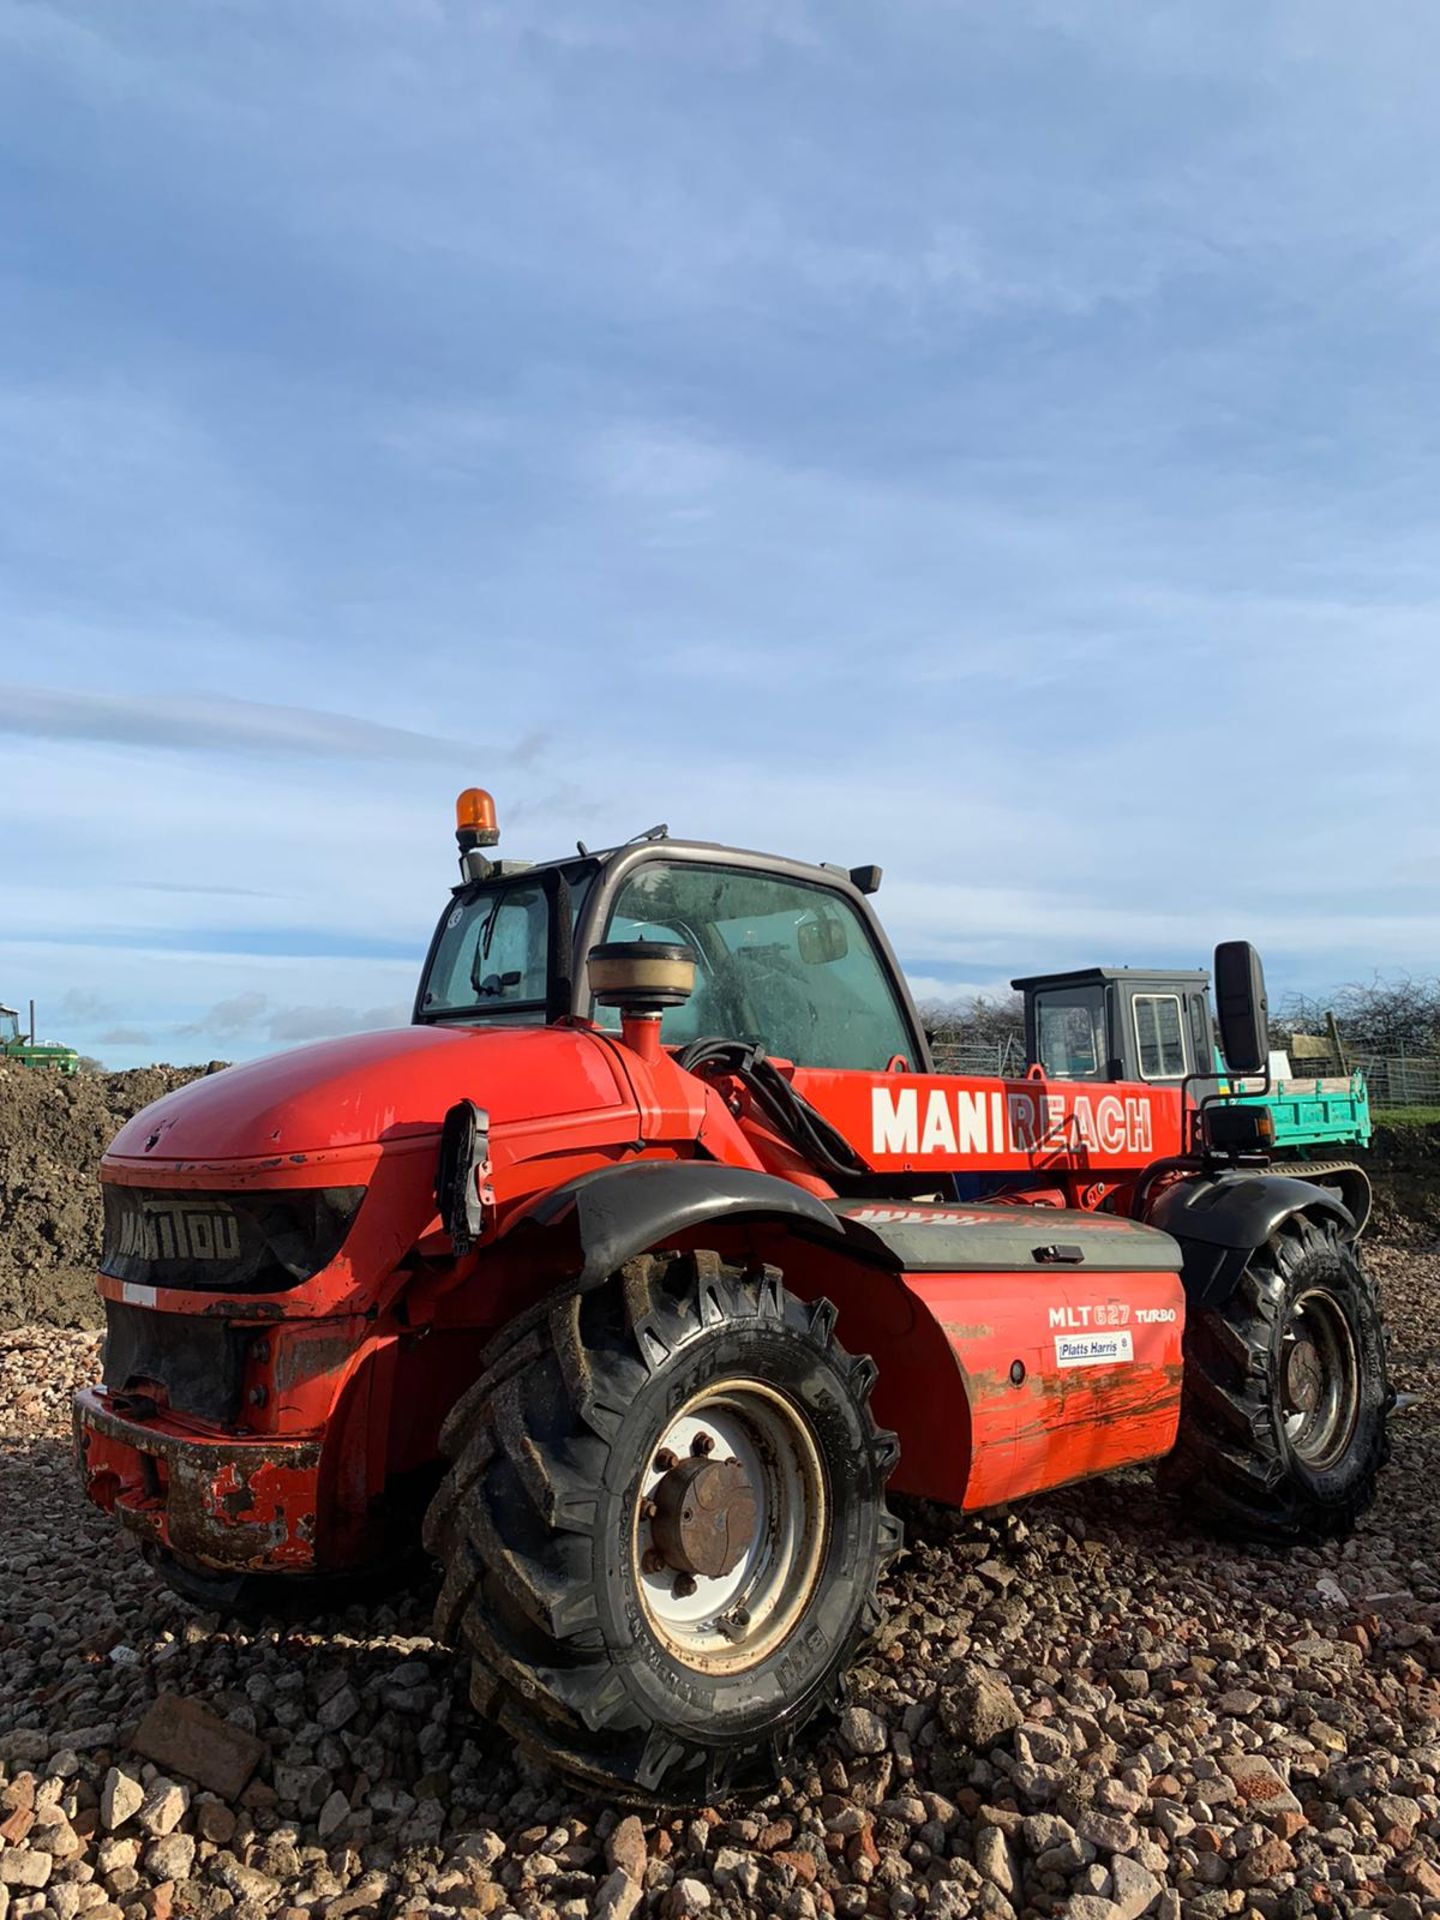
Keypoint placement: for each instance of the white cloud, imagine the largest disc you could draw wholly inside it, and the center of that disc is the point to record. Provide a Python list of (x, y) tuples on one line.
[(132, 1039), (982, 440), (237, 1015), (288, 1025), (215, 723)]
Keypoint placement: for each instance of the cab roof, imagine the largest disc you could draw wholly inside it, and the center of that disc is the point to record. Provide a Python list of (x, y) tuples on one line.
[(1102, 976), (817, 872)]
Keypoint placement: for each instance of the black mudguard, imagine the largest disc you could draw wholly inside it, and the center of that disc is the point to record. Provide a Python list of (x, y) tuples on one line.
[(1220, 1222), (616, 1212), (1346, 1178)]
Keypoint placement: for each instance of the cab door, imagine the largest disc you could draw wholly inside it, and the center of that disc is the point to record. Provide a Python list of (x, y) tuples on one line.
[(1157, 1033)]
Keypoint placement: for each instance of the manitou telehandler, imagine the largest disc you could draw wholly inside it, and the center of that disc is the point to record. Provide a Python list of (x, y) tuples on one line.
[(592, 1229)]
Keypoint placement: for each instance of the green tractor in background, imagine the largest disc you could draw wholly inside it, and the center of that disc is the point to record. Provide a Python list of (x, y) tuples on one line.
[(22, 1050), (1119, 1023)]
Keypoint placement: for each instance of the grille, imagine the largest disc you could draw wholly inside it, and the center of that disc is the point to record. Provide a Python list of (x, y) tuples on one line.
[(197, 1363), (262, 1242)]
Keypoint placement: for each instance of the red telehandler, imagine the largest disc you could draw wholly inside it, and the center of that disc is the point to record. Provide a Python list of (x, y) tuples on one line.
[(565, 1267)]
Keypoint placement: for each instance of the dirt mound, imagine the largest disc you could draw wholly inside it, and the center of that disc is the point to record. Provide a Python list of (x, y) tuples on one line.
[(52, 1134), (1404, 1165)]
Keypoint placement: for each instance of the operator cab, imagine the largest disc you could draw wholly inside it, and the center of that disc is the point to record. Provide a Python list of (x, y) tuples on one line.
[(1117, 1023), (789, 957)]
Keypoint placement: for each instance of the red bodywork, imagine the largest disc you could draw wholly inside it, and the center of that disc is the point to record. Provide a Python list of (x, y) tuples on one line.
[(342, 1381)]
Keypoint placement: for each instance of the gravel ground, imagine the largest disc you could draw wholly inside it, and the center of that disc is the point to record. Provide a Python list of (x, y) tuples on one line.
[(1077, 1708)]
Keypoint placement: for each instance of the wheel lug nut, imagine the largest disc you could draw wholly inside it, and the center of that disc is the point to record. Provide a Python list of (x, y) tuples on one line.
[(702, 1444), (652, 1561), (664, 1460), (684, 1586), (648, 1509)]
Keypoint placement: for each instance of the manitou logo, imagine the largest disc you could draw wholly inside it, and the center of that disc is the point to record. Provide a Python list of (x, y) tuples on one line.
[(955, 1121), (179, 1230)]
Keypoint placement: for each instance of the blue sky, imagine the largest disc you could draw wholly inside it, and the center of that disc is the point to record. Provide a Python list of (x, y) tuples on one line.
[(997, 440)]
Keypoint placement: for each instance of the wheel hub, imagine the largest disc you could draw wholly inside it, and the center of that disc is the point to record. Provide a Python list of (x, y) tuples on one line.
[(1303, 1381), (730, 1525), (1319, 1379), (705, 1517)]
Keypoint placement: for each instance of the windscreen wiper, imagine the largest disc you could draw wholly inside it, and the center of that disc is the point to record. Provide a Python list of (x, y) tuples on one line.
[(484, 944)]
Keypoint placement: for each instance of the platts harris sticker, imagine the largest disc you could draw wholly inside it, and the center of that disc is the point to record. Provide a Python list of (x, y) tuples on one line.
[(1093, 1349)]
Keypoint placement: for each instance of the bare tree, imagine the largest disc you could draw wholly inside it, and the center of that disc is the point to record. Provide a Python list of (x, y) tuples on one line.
[(976, 1019), (1382, 1015)]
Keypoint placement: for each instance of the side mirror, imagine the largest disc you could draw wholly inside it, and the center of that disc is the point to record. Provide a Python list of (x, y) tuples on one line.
[(462, 1174), (1242, 1007), (821, 938)]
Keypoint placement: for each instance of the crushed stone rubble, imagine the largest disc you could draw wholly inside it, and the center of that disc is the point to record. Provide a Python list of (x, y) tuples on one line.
[(1075, 1709)]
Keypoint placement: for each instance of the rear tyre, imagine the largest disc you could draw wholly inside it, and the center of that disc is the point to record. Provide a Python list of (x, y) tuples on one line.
[(664, 1526), (1286, 1394)]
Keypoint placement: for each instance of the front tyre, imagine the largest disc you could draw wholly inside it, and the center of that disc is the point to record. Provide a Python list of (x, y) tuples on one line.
[(664, 1526), (1286, 1394)]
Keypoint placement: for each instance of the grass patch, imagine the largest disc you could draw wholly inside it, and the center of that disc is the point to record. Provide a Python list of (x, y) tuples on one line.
[(1406, 1116)]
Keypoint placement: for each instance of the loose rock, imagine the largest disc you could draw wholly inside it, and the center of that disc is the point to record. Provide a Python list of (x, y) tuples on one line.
[(1088, 1711), (121, 1798), (977, 1707)]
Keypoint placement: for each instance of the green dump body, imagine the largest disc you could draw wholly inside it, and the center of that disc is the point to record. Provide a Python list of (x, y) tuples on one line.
[(1333, 1112)]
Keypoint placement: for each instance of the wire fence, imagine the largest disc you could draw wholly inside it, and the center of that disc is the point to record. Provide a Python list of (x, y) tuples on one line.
[(1401, 1080), (979, 1058), (1392, 1079)]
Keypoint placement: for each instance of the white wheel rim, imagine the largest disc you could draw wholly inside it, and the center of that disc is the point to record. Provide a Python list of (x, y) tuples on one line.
[(732, 1621), (1320, 1432)]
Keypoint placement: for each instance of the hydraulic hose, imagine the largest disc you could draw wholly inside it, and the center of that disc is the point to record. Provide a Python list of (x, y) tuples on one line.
[(787, 1111)]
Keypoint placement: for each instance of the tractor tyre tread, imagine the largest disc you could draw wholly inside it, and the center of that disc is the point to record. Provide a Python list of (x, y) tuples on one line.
[(1232, 1463), (514, 1523)]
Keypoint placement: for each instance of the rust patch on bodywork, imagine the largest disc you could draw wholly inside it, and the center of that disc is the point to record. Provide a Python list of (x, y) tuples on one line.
[(1111, 1396), (300, 1359), (251, 1511), (248, 1503)]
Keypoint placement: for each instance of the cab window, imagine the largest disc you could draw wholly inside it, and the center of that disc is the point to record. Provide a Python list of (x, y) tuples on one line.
[(491, 956), (784, 965), (1159, 1036), (1070, 1033)]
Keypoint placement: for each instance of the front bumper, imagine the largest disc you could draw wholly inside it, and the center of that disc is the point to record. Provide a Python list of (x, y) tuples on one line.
[(236, 1503)]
